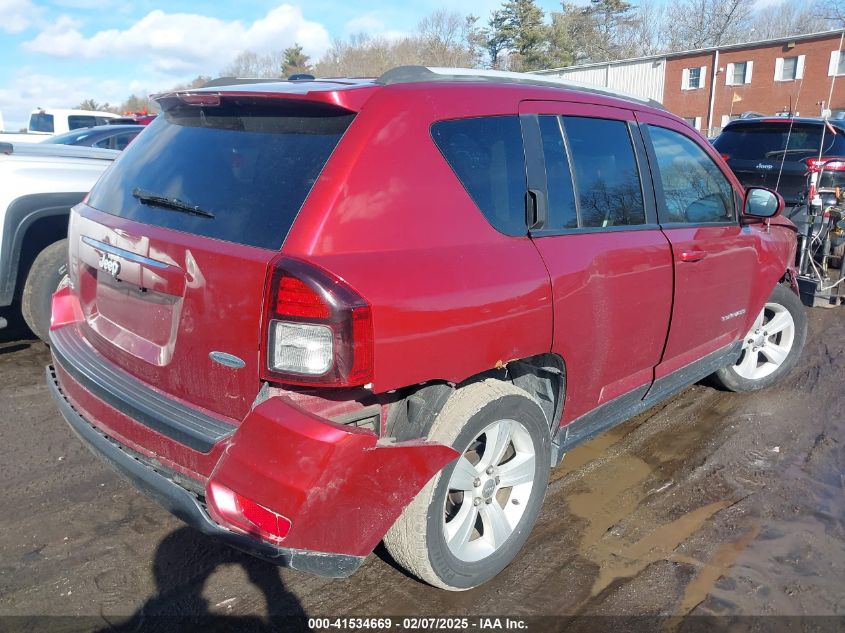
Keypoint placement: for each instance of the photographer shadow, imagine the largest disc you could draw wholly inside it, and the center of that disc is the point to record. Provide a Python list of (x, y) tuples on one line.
[(184, 561)]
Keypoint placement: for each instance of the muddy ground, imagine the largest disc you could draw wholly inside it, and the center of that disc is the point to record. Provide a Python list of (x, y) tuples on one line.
[(713, 503)]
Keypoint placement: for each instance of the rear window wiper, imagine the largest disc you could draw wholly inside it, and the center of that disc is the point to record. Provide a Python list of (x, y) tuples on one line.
[(147, 197), (778, 152)]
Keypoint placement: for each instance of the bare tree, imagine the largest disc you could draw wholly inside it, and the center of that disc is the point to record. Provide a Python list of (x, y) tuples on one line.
[(696, 24), (137, 104), (789, 18), (649, 29), (251, 64), (832, 11), (443, 38)]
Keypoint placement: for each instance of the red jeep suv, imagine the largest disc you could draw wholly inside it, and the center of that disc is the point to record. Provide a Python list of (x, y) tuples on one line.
[(309, 316)]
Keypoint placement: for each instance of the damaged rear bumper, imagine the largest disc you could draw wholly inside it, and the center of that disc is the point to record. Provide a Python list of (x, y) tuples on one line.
[(339, 487), (187, 506)]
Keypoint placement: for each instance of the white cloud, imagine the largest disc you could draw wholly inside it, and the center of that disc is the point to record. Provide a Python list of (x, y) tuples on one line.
[(178, 44), (17, 15), (373, 25), (365, 23)]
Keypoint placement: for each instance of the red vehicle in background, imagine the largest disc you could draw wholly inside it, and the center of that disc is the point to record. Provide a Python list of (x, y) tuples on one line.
[(310, 316), (140, 118)]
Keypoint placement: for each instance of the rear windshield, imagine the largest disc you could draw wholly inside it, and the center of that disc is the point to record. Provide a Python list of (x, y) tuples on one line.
[(250, 166), (41, 122), (767, 141), (69, 138)]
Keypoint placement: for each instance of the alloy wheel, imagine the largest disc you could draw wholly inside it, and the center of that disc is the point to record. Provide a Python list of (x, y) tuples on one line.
[(767, 345), (489, 490)]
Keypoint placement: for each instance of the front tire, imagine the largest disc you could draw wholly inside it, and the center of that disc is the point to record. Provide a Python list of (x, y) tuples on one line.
[(47, 273), (772, 347), (470, 521)]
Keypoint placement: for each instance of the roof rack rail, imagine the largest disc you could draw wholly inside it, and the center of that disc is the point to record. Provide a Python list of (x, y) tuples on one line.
[(416, 74)]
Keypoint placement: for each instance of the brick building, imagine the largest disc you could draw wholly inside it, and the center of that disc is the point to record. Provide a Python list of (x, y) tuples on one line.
[(709, 87)]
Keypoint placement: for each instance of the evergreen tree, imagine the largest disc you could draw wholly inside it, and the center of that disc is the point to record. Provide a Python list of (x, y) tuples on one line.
[(526, 34), (294, 61)]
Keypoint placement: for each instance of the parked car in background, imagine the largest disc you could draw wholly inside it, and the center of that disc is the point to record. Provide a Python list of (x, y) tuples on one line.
[(778, 152), (306, 316), (58, 121), (104, 136), (49, 121), (38, 185)]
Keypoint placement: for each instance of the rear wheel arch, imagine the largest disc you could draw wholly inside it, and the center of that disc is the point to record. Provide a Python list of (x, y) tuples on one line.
[(772, 347), (417, 541), (542, 377), (31, 224)]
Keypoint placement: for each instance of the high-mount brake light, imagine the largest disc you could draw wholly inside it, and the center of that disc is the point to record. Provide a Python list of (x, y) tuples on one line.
[(199, 98), (316, 330)]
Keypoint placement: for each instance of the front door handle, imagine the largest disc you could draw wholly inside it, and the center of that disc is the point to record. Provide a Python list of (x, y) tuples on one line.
[(692, 256)]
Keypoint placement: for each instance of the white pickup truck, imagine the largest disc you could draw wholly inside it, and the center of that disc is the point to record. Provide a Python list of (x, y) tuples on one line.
[(39, 183), (45, 122)]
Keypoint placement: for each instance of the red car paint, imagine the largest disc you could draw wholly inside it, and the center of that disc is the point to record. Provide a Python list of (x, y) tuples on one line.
[(451, 297)]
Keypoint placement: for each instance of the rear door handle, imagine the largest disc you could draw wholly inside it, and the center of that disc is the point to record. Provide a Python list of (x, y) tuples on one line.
[(692, 256)]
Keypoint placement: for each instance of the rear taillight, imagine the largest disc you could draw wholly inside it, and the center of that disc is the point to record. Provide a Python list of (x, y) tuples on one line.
[(235, 510), (317, 331), (829, 164)]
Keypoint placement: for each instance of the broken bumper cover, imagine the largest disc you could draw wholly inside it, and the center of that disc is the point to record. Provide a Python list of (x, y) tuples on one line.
[(186, 506), (339, 487)]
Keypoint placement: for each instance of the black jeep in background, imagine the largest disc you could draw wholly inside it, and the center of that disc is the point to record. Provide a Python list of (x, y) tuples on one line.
[(755, 148)]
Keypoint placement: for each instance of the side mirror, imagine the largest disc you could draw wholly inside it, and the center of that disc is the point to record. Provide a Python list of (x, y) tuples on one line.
[(762, 203)]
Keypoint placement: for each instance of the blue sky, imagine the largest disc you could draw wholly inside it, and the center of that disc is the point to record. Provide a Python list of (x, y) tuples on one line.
[(55, 53)]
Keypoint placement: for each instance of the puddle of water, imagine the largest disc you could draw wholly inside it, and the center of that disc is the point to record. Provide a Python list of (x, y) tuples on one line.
[(617, 497), (718, 566), (588, 452)]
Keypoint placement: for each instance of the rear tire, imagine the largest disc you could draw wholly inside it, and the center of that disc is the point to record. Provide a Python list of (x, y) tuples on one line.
[(466, 525), (772, 347), (47, 273)]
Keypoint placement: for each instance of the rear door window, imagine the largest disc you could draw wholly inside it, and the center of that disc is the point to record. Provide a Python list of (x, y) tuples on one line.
[(606, 175), (249, 165), (694, 189), (486, 155), (76, 121), (776, 141), (563, 212), (117, 141)]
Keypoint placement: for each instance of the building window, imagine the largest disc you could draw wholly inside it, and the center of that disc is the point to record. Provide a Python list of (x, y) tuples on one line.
[(693, 78), (738, 73), (837, 64), (694, 121), (789, 68)]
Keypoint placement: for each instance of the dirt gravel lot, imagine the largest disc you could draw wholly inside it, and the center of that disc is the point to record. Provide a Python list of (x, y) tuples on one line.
[(711, 504)]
